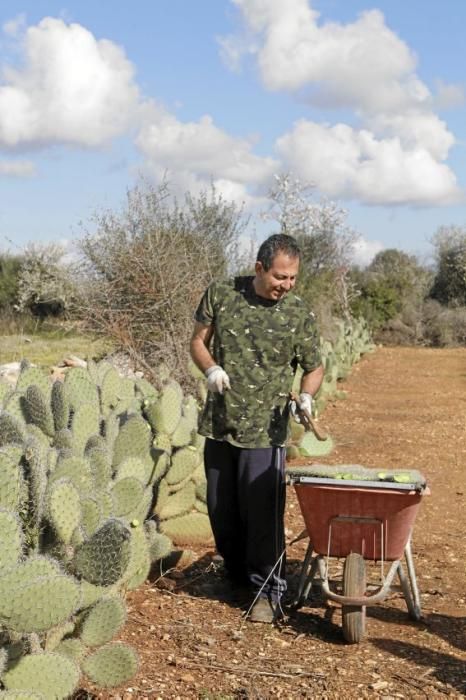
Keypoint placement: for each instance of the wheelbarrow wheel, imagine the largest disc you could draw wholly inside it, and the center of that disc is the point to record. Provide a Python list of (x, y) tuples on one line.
[(354, 586)]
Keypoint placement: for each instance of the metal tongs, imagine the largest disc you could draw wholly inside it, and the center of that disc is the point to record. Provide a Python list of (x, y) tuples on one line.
[(307, 420)]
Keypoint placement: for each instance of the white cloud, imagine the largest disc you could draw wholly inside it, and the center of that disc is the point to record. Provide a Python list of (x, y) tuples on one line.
[(17, 168), (14, 26), (199, 153), (398, 154), (349, 163), (71, 89)]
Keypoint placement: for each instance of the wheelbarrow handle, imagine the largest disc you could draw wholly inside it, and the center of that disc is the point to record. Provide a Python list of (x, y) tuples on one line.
[(308, 422)]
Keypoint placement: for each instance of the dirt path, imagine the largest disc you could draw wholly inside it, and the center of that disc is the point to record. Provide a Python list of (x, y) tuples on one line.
[(405, 408)]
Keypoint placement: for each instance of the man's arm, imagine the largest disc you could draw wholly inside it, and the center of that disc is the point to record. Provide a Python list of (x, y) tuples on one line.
[(311, 381), (199, 346)]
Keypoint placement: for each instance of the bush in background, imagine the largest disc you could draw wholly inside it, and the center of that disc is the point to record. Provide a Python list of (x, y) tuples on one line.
[(146, 268)]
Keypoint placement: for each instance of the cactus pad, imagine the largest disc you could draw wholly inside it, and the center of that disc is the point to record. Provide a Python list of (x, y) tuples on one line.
[(184, 462), (50, 674), (103, 559), (193, 528), (111, 665), (64, 508), (178, 503), (11, 540), (133, 440), (103, 622), (126, 494), (11, 430)]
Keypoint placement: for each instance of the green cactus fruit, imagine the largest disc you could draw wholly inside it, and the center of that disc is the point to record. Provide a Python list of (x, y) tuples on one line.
[(183, 432), (103, 559), (184, 462), (134, 467), (127, 494), (11, 540), (100, 466), (64, 508), (140, 562), (190, 529), (38, 410), (111, 665), (109, 390), (11, 477), (200, 506), (179, 503), (80, 389), (11, 430), (164, 414), (201, 491), (162, 441), (77, 470), (103, 622), (60, 406), (133, 440), (72, 648), (50, 674), (312, 447), (84, 424), (38, 604), (33, 375), (91, 517)]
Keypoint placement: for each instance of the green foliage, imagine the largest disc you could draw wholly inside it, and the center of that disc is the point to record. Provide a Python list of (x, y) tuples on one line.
[(10, 266), (449, 285)]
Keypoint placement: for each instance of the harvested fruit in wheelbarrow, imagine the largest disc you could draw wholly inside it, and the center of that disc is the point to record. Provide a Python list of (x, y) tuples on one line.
[(357, 472)]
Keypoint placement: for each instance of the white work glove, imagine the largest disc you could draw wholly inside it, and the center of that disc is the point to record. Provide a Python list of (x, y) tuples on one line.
[(305, 404), (218, 380)]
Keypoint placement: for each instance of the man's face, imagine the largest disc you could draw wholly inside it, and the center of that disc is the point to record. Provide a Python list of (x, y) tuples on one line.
[(279, 279)]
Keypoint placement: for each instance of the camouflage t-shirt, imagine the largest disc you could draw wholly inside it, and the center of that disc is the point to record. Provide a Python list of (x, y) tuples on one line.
[(259, 343)]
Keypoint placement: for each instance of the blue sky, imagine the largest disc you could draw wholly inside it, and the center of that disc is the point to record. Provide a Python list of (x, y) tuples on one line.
[(363, 99)]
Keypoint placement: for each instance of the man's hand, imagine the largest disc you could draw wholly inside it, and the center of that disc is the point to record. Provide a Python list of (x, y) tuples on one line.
[(304, 404), (218, 380)]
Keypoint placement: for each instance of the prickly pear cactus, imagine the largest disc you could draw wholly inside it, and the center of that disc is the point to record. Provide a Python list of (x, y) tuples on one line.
[(97, 475)]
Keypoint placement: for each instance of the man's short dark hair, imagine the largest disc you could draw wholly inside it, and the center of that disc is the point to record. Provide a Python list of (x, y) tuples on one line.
[(278, 243)]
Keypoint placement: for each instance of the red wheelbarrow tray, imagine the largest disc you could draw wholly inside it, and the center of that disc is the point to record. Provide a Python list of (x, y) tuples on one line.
[(369, 513)]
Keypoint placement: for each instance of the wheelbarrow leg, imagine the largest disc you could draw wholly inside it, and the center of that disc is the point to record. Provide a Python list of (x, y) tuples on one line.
[(305, 579), (409, 587)]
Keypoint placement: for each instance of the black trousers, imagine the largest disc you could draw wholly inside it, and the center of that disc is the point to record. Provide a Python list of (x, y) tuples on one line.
[(246, 502)]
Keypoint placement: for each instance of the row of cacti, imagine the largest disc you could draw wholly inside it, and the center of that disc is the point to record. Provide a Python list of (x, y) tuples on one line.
[(352, 341), (97, 473)]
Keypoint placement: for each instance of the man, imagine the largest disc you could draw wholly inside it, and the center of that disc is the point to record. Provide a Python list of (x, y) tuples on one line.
[(260, 333)]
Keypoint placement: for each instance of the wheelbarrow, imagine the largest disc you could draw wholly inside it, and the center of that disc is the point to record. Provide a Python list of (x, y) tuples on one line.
[(358, 514)]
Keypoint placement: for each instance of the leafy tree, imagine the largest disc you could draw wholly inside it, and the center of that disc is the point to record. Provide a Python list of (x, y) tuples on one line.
[(449, 285), (325, 238)]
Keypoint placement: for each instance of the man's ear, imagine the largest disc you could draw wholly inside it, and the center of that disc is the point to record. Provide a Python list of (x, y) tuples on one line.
[(258, 267)]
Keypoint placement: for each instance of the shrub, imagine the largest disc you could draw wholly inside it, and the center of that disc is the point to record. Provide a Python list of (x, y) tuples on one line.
[(147, 267)]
